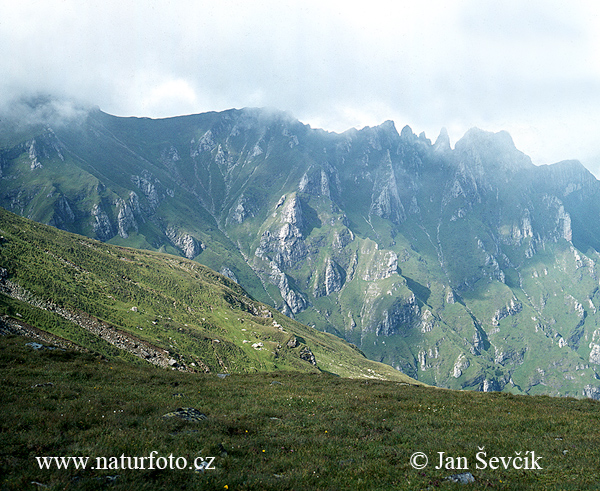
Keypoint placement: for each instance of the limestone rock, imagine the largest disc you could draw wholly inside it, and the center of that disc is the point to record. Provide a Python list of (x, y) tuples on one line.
[(383, 265), (225, 271), (147, 185), (463, 478), (101, 223), (205, 144), (595, 354), (512, 308), (187, 414), (315, 182), (241, 211), (307, 355), (125, 218), (292, 213), (403, 315), (442, 143), (592, 392), (461, 364), (186, 243), (63, 213), (286, 246), (330, 281), (385, 201)]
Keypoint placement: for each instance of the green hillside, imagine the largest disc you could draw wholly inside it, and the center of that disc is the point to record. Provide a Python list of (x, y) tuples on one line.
[(150, 307)]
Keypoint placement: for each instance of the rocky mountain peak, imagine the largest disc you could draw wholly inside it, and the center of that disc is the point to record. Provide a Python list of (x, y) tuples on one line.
[(407, 134), (493, 151), (442, 143), (292, 212), (476, 137), (569, 176), (389, 126)]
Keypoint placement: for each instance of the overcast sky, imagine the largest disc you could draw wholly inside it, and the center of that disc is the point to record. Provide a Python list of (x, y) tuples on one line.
[(526, 66)]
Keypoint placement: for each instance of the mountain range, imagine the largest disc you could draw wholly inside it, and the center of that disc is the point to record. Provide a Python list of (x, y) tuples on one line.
[(465, 267)]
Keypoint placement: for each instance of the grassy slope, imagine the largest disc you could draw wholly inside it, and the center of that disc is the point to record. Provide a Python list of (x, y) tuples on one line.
[(182, 306), (275, 431)]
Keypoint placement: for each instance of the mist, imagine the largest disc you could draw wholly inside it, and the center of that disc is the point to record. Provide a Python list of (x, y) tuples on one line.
[(527, 68)]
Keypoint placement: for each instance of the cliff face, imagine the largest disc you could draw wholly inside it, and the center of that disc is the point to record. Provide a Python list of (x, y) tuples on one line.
[(467, 267)]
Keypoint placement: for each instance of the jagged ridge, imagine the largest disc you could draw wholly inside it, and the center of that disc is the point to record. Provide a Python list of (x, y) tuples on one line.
[(411, 250)]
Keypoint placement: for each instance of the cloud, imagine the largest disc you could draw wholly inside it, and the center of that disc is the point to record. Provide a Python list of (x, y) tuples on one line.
[(521, 66), (42, 109), (172, 96)]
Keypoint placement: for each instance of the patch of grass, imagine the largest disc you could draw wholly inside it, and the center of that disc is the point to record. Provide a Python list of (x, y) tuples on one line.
[(274, 431)]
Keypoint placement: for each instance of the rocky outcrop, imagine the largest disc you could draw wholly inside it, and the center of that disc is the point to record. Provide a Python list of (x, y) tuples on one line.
[(10, 325), (591, 392), (490, 386), (294, 301), (563, 223), (385, 200), (63, 214), (206, 143), (318, 182), (519, 231), (189, 414), (107, 332), (152, 189), (562, 219), (125, 217), (491, 264), (35, 163), (45, 146), (186, 243), (402, 316), (382, 265), (307, 355), (101, 223), (292, 214), (460, 365), (594, 354), (330, 280), (225, 271), (341, 239), (170, 155), (286, 247), (427, 322), (242, 210), (386, 204), (511, 308), (442, 143)]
